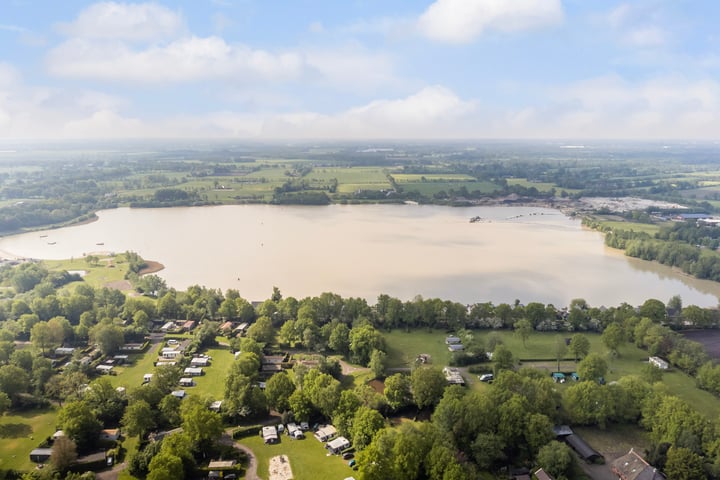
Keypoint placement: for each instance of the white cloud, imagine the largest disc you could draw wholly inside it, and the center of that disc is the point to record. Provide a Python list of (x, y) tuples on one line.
[(461, 21), (638, 25), (183, 60), (126, 21)]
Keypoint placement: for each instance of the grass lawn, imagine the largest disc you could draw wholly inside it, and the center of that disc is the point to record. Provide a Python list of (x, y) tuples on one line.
[(212, 384), (308, 458), (97, 275), (616, 440), (431, 188), (22, 432), (649, 228), (131, 374), (404, 347)]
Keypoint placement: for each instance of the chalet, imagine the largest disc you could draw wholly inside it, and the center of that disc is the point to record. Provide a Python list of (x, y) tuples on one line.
[(193, 371), (222, 464), (453, 376), (170, 352), (456, 347), (269, 434), (104, 368), (132, 347), (165, 363), (633, 467), (200, 362), (452, 340), (168, 327), (325, 433), (272, 363), (226, 327), (216, 405), (338, 445), (110, 434), (60, 351), (40, 455), (188, 326), (187, 382), (659, 363), (242, 328), (147, 377), (178, 394), (120, 359)]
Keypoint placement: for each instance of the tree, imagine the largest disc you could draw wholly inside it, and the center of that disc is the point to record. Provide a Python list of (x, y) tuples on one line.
[(278, 389), (684, 464), (78, 422), (300, 405), (201, 425), (166, 466), (538, 431), (41, 336), (378, 360), (502, 359), (579, 346), (108, 336), (613, 336), (523, 329), (592, 367), (339, 339), (262, 330), (344, 414), (64, 453), (654, 310), (366, 423), (322, 390), (428, 385), (106, 403), (398, 391), (4, 403), (138, 419), (363, 340), (556, 459), (13, 380)]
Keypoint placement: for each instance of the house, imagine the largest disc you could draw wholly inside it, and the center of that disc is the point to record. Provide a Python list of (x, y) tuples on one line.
[(541, 474), (168, 327), (104, 368), (632, 466), (338, 445), (272, 363), (193, 371), (659, 363), (584, 451), (120, 359), (270, 435), (187, 382), (188, 325), (110, 434), (200, 362), (452, 340), (60, 351), (226, 327), (178, 394), (453, 376), (325, 433), (170, 352), (40, 455)]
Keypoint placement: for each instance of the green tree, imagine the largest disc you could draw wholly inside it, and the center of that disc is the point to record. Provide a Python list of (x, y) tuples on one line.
[(398, 391), (378, 361), (64, 453), (502, 359), (613, 336), (5, 403), (13, 380), (654, 310), (556, 459), (366, 423), (200, 424), (579, 346), (561, 349), (538, 431), (166, 466), (339, 339), (300, 405), (523, 329), (41, 337), (139, 419), (344, 414), (278, 389), (363, 340), (684, 464), (106, 403), (592, 367), (108, 336), (78, 422), (262, 330), (322, 390), (428, 385)]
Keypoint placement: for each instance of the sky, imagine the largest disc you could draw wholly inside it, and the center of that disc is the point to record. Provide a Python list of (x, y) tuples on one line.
[(360, 69)]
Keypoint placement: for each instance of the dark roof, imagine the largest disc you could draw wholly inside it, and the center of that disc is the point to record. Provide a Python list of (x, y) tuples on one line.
[(562, 430), (632, 466), (585, 451), (541, 474)]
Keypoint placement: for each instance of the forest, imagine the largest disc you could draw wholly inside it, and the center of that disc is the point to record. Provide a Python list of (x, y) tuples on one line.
[(457, 432)]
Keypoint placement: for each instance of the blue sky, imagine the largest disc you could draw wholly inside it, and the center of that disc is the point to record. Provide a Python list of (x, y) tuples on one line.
[(360, 69)]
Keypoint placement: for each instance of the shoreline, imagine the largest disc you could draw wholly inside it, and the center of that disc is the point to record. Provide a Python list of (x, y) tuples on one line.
[(152, 267)]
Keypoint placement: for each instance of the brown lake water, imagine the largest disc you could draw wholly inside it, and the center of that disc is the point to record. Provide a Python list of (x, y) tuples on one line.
[(525, 253)]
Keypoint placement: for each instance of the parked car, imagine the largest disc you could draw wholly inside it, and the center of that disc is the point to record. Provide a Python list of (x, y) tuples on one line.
[(348, 455), (304, 426), (487, 377), (281, 428)]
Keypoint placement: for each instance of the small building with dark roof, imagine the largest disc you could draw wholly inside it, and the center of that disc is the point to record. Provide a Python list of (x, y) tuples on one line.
[(40, 455), (541, 474), (585, 451)]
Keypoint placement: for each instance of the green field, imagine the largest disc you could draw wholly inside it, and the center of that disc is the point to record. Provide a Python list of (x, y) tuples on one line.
[(403, 347), (108, 269), (212, 384), (22, 432), (649, 228), (308, 458)]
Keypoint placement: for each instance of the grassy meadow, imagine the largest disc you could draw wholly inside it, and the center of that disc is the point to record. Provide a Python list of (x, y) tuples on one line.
[(20, 433)]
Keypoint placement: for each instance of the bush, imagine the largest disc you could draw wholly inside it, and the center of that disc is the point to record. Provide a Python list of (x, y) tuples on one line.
[(245, 432)]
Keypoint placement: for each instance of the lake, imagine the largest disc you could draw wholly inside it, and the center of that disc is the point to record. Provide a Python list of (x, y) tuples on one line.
[(525, 253)]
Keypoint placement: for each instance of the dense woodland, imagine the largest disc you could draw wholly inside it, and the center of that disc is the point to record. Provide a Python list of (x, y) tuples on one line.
[(467, 432)]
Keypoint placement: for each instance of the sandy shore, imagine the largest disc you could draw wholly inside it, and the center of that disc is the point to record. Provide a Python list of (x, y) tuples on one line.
[(152, 267)]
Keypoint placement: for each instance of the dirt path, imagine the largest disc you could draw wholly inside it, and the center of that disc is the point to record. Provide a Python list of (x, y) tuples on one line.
[(347, 369), (251, 472)]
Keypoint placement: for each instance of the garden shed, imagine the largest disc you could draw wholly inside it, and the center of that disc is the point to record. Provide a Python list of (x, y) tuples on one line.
[(585, 451)]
